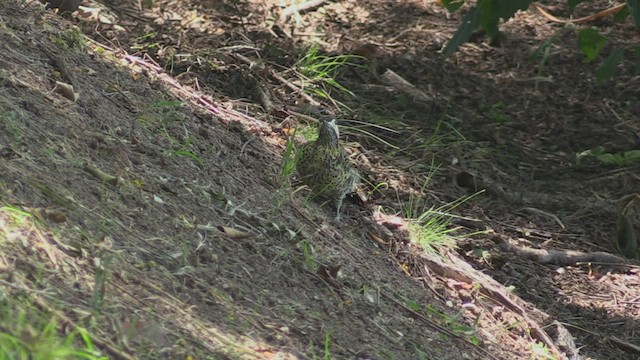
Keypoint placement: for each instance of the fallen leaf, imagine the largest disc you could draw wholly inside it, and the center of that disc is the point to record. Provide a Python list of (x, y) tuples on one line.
[(232, 233), (65, 90)]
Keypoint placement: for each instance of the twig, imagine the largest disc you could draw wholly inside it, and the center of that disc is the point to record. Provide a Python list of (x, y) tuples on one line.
[(592, 17), (297, 8), (626, 346)]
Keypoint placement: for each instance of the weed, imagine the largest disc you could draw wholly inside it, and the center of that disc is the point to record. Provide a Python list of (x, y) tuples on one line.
[(161, 113), (319, 70), (308, 132), (543, 52), (495, 112), (371, 135), (307, 252), (13, 126), (421, 354), (144, 42), (541, 351), (72, 38), (327, 343), (431, 229), (453, 323), (97, 298), (164, 104), (289, 159), (27, 333), (620, 159), (188, 154)]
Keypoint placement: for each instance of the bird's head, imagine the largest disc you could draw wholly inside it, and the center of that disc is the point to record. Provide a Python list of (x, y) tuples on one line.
[(328, 133)]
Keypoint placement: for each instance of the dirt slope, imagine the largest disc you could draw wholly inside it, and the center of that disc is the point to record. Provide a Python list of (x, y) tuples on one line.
[(142, 179)]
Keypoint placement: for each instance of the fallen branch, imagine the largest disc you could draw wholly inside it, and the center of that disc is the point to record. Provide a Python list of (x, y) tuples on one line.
[(463, 272), (560, 257), (400, 84), (596, 16)]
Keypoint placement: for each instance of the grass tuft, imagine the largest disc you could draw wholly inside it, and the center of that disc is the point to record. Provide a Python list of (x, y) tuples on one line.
[(318, 72), (28, 333)]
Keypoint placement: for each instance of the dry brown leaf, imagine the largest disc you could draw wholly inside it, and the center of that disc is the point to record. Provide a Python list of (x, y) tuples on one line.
[(232, 233), (65, 90), (378, 239)]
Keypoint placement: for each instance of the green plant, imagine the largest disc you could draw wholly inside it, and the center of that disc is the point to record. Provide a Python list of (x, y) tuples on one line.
[(189, 154), (452, 323), (541, 351), (290, 159), (486, 14), (143, 42), (307, 252), (97, 298), (544, 50), (430, 228), (13, 126), (161, 113), (327, 343), (72, 38), (319, 70), (27, 333), (620, 159), (495, 112)]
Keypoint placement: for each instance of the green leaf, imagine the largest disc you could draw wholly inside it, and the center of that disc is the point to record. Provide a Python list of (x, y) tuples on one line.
[(574, 3), (611, 159), (469, 24), (634, 7), (490, 16), (591, 42), (412, 305), (627, 158), (452, 5), (632, 157), (494, 10), (589, 153), (608, 67), (541, 50)]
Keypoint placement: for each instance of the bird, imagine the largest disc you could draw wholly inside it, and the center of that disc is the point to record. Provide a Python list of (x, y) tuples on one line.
[(323, 166)]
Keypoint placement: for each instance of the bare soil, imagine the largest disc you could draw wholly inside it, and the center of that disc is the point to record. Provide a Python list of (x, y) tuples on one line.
[(165, 175)]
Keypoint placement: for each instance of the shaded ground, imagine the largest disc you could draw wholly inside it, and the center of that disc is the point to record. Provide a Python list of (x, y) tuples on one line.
[(186, 171)]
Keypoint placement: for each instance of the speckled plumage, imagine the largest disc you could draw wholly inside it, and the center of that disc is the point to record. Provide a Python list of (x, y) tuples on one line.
[(324, 167)]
